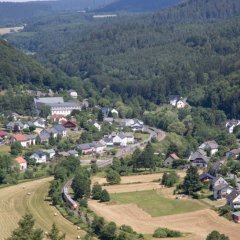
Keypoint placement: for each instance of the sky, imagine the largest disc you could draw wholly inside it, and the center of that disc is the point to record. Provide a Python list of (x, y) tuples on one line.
[(20, 0)]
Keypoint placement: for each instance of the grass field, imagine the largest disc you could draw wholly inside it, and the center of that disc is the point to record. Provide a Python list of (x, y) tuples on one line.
[(4, 149), (14, 202), (156, 204)]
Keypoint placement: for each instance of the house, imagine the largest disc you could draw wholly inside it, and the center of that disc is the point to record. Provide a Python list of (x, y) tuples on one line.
[(107, 141), (56, 105), (108, 120), (233, 199), (24, 140), (50, 153), (109, 112), (61, 130), (17, 126), (231, 124), (206, 177), (98, 147), (39, 157), (69, 124), (72, 93), (198, 159), (58, 118), (63, 154), (216, 167), (85, 103), (97, 125), (236, 217), (217, 181), (135, 124), (3, 134), (39, 122), (234, 153), (171, 158), (210, 146), (178, 102), (73, 153), (222, 190), (86, 148), (22, 163)]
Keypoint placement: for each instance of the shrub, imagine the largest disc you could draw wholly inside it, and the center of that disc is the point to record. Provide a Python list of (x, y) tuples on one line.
[(113, 177), (105, 196), (83, 202), (166, 233)]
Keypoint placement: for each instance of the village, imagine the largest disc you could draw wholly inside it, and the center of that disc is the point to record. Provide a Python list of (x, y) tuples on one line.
[(66, 129)]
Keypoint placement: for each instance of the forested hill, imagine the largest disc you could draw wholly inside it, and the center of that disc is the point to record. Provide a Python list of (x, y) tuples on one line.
[(199, 10), (139, 5), (16, 69)]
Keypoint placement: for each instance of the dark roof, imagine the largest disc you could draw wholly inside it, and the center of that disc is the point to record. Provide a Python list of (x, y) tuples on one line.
[(221, 186), (59, 127), (198, 155), (206, 175), (233, 195)]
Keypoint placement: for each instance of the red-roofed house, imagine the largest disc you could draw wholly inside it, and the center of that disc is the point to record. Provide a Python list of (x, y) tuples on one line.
[(69, 124), (22, 163), (3, 134), (22, 139)]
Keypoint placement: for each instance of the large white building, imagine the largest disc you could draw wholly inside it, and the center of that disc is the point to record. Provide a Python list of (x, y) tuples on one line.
[(57, 105)]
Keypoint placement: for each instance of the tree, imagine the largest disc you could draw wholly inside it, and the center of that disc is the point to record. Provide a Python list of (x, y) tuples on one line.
[(215, 235), (96, 191), (105, 197), (16, 148), (113, 177), (81, 184), (97, 225), (45, 111), (100, 116), (169, 179), (55, 233), (109, 231), (191, 182), (26, 230)]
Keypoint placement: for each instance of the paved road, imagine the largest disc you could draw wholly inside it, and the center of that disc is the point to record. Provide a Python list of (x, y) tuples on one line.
[(122, 152)]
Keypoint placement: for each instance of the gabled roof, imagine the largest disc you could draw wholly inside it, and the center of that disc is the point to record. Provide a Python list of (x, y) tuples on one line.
[(235, 193), (217, 178), (221, 186), (174, 156), (235, 151), (206, 175), (198, 155), (3, 133), (59, 128), (20, 160), (84, 146), (20, 137)]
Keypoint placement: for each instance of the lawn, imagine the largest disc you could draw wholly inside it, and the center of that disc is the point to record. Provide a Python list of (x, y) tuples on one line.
[(4, 149), (156, 204)]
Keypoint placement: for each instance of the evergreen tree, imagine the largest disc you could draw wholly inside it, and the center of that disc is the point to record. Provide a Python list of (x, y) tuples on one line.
[(55, 234), (97, 225), (96, 191), (105, 197), (100, 116), (26, 230), (109, 231), (191, 182)]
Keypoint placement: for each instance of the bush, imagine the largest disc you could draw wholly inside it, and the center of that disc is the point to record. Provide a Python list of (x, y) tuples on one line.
[(96, 191), (127, 229), (166, 233), (83, 202), (113, 177)]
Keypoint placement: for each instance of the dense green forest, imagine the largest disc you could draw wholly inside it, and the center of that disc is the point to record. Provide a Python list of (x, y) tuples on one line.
[(139, 5), (151, 55)]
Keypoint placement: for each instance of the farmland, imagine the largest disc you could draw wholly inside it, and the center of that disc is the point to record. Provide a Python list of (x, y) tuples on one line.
[(145, 205), (10, 30), (14, 201), (156, 204)]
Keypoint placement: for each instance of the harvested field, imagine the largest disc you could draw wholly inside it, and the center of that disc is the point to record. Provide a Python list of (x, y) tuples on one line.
[(10, 30), (138, 178), (198, 223), (14, 201)]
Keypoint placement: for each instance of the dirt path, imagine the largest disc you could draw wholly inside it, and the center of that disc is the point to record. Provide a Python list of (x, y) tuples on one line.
[(138, 178), (199, 223), (14, 201)]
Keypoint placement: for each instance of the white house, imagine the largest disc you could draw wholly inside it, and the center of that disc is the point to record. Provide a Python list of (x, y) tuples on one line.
[(40, 122), (231, 124), (50, 152), (233, 199), (211, 146), (178, 102), (24, 140), (39, 157), (217, 181), (22, 163), (97, 125), (73, 93)]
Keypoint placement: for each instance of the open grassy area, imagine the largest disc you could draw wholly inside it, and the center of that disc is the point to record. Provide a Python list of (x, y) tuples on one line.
[(4, 149), (156, 204), (141, 136)]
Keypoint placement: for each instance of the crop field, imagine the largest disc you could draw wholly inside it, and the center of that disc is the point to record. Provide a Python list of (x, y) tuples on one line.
[(156, 204), (15, 200)]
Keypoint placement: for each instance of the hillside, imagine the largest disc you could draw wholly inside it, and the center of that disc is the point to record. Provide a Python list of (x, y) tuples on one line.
[(139, 5), (138, 56)]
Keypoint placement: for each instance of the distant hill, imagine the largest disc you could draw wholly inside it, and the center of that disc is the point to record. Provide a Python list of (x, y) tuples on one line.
[(139, 5), (199, 10), (12, 13)]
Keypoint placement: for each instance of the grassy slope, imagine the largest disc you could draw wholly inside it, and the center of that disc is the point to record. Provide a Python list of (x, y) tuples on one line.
[(156, 204)]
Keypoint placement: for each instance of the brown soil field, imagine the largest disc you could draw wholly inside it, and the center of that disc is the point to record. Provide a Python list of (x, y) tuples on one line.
[(199, 223), (10, 30), (15, 200), (147, 178)]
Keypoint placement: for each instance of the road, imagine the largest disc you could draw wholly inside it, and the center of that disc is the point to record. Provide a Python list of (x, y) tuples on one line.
[(128, 150)]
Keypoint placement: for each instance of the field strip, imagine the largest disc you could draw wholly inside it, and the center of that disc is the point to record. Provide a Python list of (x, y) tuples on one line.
[(14, 201), (199, 223)]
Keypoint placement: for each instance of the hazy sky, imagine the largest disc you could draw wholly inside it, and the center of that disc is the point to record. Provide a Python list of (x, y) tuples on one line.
[(20, 0)]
